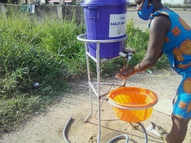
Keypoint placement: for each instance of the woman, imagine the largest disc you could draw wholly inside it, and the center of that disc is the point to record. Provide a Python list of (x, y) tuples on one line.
[(168, 34)]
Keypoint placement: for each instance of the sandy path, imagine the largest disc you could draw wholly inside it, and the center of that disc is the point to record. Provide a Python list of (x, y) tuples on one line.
[(48, 127)]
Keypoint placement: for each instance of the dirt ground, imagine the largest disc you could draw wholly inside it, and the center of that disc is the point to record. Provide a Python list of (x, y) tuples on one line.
[(48, 127)]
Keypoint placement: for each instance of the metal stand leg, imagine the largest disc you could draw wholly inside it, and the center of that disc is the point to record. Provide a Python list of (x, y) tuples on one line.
[(89, 81), (145, 132), (98, 90), (98, 62)]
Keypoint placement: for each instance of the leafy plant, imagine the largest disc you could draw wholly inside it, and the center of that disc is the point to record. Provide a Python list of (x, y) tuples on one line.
[(34, 61), (39, 59)]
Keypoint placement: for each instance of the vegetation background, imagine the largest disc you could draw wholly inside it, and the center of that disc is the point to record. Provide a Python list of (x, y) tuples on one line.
[(39, 60)]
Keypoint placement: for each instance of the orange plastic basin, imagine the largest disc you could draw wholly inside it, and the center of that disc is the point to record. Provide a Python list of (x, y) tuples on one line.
[(132, 104)]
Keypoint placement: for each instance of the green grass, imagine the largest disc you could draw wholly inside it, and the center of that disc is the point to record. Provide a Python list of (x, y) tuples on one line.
[(35, 52), (48, 53)]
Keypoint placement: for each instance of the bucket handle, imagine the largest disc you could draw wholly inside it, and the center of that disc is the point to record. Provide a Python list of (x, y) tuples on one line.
[(93, 12)]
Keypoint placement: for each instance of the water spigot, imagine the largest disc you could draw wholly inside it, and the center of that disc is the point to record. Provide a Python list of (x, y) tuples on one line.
[(127, 54)]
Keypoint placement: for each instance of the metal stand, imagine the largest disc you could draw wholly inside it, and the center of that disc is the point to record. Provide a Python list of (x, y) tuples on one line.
[(98, 62)]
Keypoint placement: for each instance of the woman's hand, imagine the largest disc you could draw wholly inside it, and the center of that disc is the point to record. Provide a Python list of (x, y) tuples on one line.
[(125, 72)]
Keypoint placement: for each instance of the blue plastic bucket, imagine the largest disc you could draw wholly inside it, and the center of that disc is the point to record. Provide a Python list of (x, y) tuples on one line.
[(104, 20)]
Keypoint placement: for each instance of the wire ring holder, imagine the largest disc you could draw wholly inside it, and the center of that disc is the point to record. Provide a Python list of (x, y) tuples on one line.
[(99, 61)]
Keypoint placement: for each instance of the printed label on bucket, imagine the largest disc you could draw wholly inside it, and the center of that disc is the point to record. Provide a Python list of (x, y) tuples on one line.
[(117, 25)]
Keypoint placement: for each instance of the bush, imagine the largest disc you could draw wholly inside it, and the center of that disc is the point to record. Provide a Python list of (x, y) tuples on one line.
[(37, 59)]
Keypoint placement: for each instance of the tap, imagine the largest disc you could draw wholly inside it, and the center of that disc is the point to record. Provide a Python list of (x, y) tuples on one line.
[(127, 54)]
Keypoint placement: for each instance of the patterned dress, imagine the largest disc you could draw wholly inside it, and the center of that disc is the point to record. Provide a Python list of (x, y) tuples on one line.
[(177, 48)]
